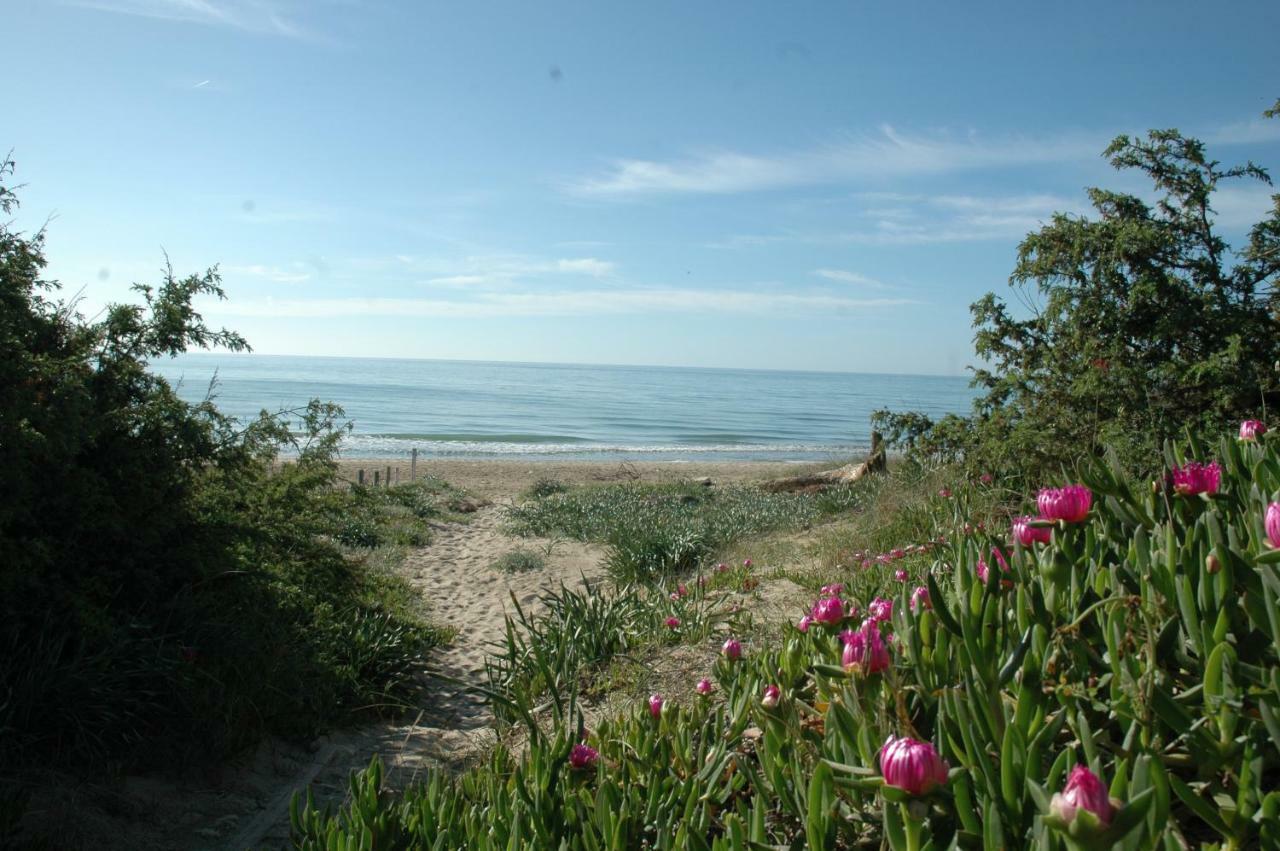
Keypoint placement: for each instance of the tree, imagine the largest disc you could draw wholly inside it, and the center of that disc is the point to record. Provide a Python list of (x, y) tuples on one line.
[(1143, 323)]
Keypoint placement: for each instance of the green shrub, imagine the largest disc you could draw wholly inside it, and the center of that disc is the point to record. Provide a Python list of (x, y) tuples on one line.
[(165, 597), (545, 486)]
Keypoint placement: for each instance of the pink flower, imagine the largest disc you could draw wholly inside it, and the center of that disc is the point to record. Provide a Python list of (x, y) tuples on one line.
[(732, 649), (1026, 534), (771, 696), (897, 553), (655, 705), (828, 610), (880, 609), (583, 756), (866, 563), (920, 599), (672, 623), (703, 687), (1195, 478), (986, 478), (912, 766), (1070, 504), (945, 493), (721, 567), (1272, 524), (983, 571), (805, 623), (746, 562), (1252, 429), (835, 589), (901, 574), (865, 650), (1084, 791)]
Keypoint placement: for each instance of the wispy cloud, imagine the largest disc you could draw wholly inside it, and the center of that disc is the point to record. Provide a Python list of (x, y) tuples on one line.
[(261, 17), (887, 153), (292, 275), (564, 303), (850, 278), (503, 271), (886, 218)]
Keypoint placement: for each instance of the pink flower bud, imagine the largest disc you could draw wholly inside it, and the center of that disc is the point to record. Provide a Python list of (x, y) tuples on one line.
[(864, 650), (703, 687), (880, 609), (1196, 478), (583, 756), (912, 766), (1272, 523), (732, 649), (770, 698), (655, 705), (1252, 430), (805, 623), (920, 599), (835, 589), (1070, 504), (945, 493), (901, 574), (746, 562), (1084, 791), (1026, 534), (672, 622), (828, 610)]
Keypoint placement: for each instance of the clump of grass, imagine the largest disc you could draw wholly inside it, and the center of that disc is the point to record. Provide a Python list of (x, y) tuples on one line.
[(544, 487), (657, 530), (520, 560)]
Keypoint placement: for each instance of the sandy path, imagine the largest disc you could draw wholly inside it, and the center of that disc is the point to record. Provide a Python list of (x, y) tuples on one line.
[(455, 575)]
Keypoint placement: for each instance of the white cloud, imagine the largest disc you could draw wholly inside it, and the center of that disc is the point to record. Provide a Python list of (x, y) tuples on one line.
[(261, 17), (888, 153), (586, 266), (292, 275), (460, 281), (850, 278), (577, 303)]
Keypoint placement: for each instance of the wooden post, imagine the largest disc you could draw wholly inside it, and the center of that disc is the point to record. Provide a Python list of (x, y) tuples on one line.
[(376, 473), (397, 475), (388, 475), (413, 465), (360, 477)]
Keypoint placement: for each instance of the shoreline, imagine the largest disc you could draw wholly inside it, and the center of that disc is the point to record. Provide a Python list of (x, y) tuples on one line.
[(498, 479)]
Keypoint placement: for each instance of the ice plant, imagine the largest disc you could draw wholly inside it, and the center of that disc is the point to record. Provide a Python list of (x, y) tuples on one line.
[(912, 766), (1252, 430), (1196, 478), (1272, 523), (835, 589), (655, 705), (1026, 534), (880, 609), (1069, 504), (920, 599), (746, 562), (771, 696), (986, 478), (1084, 791), (672, 623), (901, 574), (805, 623), (583, 756), (945, 493), (828, 610), (703, 687), (732, 649), (865, 650)]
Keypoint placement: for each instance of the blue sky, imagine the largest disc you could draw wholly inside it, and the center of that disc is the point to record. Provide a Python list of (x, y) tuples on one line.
[(815, 186)]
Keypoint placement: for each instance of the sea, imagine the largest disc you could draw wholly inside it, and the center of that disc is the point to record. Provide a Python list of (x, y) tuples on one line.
[(533, 411)]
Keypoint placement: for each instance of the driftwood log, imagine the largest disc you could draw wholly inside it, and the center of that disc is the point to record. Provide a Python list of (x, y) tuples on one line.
[(874, 464)]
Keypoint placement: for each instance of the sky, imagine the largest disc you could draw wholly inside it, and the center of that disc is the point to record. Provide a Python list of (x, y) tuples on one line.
[(818, 185)]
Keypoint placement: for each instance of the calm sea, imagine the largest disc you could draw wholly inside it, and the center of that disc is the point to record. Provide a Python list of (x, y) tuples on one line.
[(561, 411)]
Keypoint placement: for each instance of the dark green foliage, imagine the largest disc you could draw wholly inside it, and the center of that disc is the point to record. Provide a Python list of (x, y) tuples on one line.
[(1143, 322), (164, 595)]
